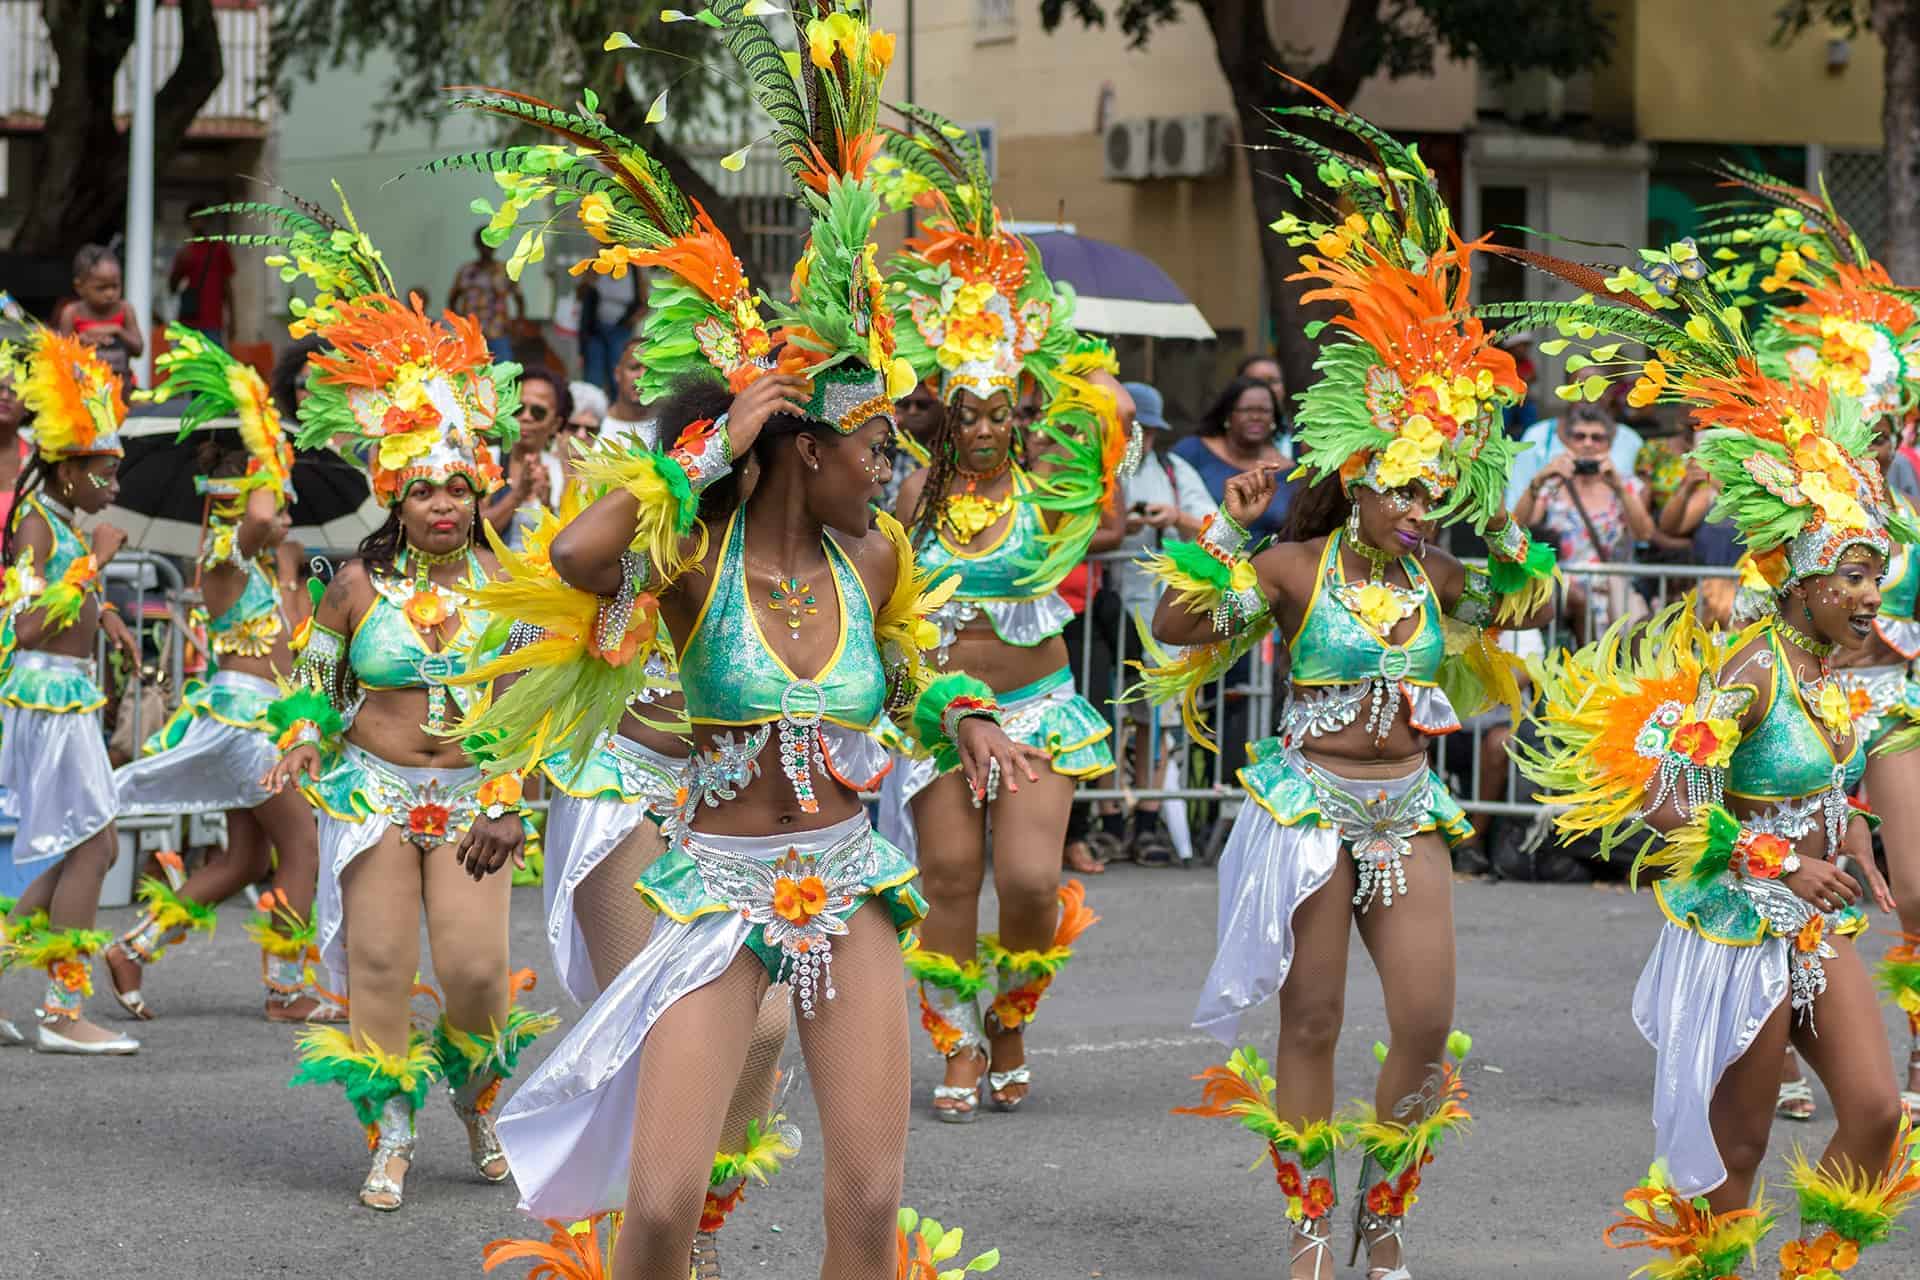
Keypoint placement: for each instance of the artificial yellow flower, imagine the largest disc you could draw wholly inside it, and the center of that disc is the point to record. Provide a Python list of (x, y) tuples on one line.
[(879, 51), (1379, 608), (396, 451), (1412, 451), (837, 32), (595, 210), (1839, 508)]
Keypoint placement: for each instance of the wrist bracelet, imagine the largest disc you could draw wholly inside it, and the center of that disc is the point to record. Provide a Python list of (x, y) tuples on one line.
[(1222, 537), (1509, 542), (962, 707), (704, 452), (299, 734)]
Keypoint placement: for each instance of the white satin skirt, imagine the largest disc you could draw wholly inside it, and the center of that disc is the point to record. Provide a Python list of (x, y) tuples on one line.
[(59, 782), (580, 834), (1700, 1004), (1266, 872), (217, 766)]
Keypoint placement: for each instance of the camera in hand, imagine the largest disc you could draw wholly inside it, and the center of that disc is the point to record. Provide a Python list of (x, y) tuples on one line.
[(1586, 466)]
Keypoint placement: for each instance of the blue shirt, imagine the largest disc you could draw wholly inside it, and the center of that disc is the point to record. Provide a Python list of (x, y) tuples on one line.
[(1542, 440), (1216, 471)]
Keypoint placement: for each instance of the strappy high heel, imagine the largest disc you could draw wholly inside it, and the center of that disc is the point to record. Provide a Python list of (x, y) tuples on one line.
[(393, 1140), (473, 1103), (1312, 1237), (1909, 1098), (966, 1097), (1370, 1230), (1796, 1100)]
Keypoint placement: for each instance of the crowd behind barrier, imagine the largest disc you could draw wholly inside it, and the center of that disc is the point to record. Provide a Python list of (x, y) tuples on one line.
[(1242, 706)]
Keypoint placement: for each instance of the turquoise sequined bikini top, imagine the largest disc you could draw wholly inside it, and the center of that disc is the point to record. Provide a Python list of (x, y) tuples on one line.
[(1902, 589), (732, 676), (67, 543), (1334, 647), (991, 572), (387, 652), (1787, 756)]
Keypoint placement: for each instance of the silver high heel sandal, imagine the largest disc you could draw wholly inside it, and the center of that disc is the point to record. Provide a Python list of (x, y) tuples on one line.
[(395, 1142), (1910, 1099), (1371, 1229), (1312, 1237), (473, 1103), (706, 1256)]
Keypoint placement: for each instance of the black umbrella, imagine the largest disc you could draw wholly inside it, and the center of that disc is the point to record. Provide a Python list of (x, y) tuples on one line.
[(162, 511)]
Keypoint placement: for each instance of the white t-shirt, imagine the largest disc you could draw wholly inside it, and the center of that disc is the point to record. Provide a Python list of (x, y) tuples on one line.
[(1162, 480)]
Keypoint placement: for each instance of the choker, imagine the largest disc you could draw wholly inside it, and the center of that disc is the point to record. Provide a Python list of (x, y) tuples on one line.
[(976, 477), (58, 508), (428, 559), (1801, 640), (1376, 559)]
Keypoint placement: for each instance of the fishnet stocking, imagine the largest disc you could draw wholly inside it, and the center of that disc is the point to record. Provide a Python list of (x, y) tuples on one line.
[(613, 917), (702, 1037), (856, 1049), (616, 922)]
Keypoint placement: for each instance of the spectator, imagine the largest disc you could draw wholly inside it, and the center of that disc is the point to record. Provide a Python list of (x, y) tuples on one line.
[(919, 416), (289, 381), (535, 475), (1236, 435), (14, 449), (1266, 368), (1685, 516), (1547, 439), (1903, 473), (628, 418), (1593, 511), (1166, 495), (602, 334), (202, 277), (581, 428), (99, 315), (482, 289)]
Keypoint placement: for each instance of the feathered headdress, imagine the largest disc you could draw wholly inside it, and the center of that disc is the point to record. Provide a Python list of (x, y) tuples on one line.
[(973, 306), (1833, 317), (223, 387), (1414, 388), (705, 318), (74, 397), (405, 396), (1790, 456)]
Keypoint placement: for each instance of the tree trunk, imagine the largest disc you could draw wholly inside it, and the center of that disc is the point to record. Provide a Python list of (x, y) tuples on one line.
[(81, 188), (1897, 23), (1247, 55)]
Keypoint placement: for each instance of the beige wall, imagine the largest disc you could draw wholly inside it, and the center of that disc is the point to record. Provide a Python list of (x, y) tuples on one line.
[(1042, 93), (1707, 71)]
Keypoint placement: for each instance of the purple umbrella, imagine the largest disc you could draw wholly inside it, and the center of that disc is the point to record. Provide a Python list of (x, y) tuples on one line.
[(1120, 291)]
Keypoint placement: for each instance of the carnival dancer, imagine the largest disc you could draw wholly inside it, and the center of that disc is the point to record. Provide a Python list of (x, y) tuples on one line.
[(603, 827), (1401, 429), (215, 752), (1839, 322), (1735, 753), (976, 314), (774, 872), (367, 729), (53, 756)]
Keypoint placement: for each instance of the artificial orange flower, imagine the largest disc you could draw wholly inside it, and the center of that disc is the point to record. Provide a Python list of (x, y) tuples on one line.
[(1859, 703), (1697, 741), (1013, 1008), (426, 609), (1287, 1174), (428, 819), (799, 901), (1319, 1198), (1810, 934), (946, 1037), (506, 789), (1765, 855), (714, 1211), (72, 974)]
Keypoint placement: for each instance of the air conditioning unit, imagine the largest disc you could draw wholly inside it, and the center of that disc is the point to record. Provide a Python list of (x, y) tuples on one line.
[(1129, 151), (1191, 146)]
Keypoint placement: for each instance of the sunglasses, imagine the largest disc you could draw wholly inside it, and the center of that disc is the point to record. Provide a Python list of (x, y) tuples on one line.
[(538, 412)]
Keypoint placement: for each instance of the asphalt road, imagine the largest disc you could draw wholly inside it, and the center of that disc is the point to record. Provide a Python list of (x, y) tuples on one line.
[(194, 1160)]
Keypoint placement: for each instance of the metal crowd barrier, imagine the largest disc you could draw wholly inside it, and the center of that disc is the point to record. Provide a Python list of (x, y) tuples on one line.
[(1245, 704)]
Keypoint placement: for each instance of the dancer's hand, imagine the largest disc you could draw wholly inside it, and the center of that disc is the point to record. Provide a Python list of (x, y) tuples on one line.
[(1823, 885), (771, 394), (120, 635), (301, 762), (491, 843), (1877, 884), (982, 743), (1248, 494), (107, 541)]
